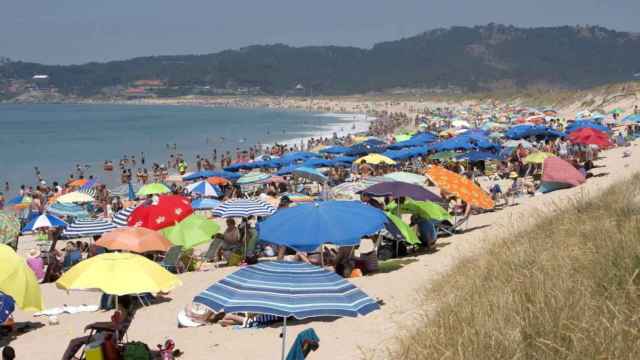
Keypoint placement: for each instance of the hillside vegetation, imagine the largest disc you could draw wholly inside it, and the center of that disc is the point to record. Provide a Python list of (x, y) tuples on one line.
[(566, 288), (468, 58)]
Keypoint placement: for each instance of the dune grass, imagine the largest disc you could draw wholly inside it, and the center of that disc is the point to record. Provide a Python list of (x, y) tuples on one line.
[(568, 288)]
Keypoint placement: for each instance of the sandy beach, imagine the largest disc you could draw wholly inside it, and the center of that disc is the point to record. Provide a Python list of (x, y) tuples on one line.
[(344, 338)]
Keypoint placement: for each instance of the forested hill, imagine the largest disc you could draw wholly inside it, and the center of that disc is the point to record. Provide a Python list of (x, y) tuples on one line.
[(461, 57)]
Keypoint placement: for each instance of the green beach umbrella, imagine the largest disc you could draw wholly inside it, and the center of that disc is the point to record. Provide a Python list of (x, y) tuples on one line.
[(153, 189), (617, 111), (192, 231), (406, 230), (424, 209), (402, 137), (407, 177), (444, 156), (9, 228)]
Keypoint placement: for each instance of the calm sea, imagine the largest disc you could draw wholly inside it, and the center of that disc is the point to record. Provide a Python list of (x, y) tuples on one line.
[(57, 137)]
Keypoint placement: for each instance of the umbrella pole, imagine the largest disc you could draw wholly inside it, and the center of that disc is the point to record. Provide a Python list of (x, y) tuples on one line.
[(284, 335), (246, 232), (116, 310)]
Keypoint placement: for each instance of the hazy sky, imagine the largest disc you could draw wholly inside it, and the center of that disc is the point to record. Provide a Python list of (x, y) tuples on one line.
[(78, 31)]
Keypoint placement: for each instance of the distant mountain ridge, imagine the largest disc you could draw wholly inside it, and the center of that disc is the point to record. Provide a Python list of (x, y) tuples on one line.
[(462, 57)]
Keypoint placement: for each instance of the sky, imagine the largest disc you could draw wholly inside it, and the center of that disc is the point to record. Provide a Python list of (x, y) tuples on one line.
[(79, 31)]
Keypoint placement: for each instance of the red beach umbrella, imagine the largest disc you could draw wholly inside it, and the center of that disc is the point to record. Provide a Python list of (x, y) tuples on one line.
[(162, 212), (589, 136)]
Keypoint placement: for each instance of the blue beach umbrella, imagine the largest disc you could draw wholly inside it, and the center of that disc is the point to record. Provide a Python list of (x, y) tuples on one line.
[(579, 124), (243, 208), (310, 174), (7, 306), (73, 210), (315, 163), (204, 204), (478, 156), (44, 221), (88, 227), (287, 289), (121, 218), (210, 173), (204, 188), (307, 226), (632, 118), (287, 170), (298, 156)]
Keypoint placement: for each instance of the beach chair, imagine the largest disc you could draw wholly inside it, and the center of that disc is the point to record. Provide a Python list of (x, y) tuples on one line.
[(212, 254), (305, 342), (458, 226), (171, 260)]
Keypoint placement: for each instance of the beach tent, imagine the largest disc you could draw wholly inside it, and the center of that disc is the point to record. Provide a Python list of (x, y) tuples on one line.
[(559, 174)]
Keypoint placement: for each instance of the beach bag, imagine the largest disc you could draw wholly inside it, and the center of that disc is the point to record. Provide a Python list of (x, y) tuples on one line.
[(136, 351)]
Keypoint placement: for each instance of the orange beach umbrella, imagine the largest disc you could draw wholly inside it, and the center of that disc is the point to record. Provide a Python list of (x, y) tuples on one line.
[(460, 186), (138, 240), (217, 180)]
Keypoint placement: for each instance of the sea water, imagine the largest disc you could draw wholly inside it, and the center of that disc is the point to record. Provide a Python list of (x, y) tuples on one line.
[(56, 138)]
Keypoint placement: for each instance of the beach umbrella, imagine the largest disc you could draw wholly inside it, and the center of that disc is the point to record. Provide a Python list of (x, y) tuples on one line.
[(191, 232), (362, 149), (590, 136), (203, 204), (252, 177), (375, 159), (43, 221), (231, 176), (138, 240), (406, 177), (118, 274), (397, 227), (307, 226), (537, 157), (217, 180), (78, 182), (153, 189), (121, 218), (20, 202), (558, 174), (275, 180), (242, 208), (287, 289), (632, 118), (456, 143), (204, 188), (616, 111), (163, 211), (397, 189), (460, 186), (350, 190), (316, 163), (580, 124), (75, 197), (9, 228), (19, 281), (287, 170), (424, 209), (444, 156), (477, 156), (7, 306), (310, 174), (88, 227), (67, 209)]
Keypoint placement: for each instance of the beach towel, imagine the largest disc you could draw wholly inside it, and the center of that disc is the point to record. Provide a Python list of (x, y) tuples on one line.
[(297, 349)]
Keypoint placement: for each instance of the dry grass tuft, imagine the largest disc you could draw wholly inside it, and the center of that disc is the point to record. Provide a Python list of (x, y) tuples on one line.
[(565, 289)]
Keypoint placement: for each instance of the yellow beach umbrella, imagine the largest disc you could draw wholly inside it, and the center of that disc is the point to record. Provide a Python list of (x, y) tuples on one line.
[(18, 280), (119, 274), (537, 157), (75, 197), (375, 159)]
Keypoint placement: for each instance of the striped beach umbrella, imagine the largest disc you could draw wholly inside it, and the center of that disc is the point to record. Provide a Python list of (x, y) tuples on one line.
[(349, 190), (62, 209), (252, 178), (88, 227), (204, 188), (243, 208), (43, 221), (287, 289), (121, 218)]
